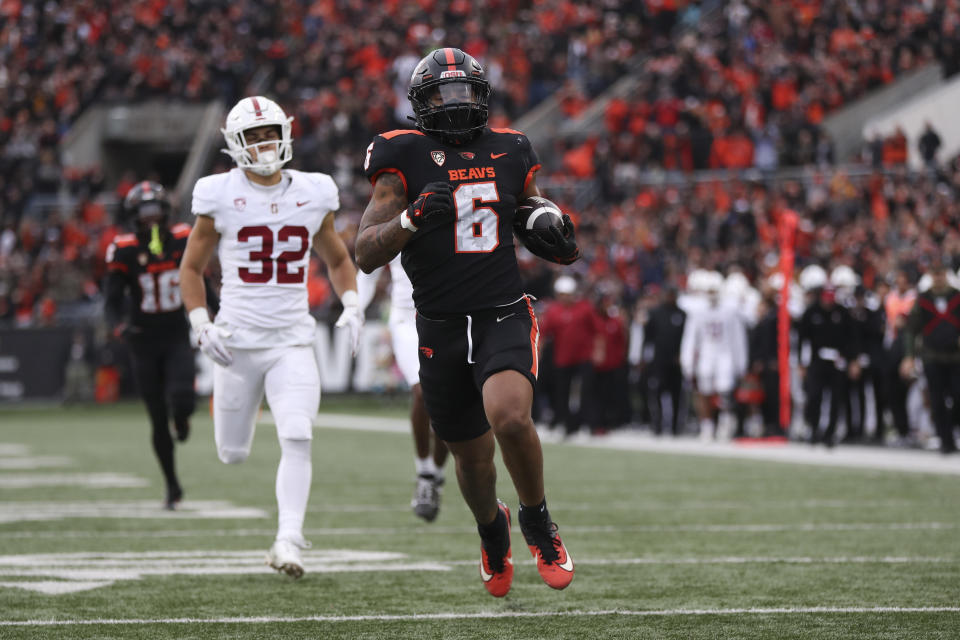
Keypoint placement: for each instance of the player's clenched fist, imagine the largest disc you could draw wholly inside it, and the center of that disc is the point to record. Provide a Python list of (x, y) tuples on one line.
[(210, 337), (435, 198)]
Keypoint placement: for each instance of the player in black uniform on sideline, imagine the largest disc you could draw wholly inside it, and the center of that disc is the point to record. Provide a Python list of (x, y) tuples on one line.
[(445, 194), (143, 308)]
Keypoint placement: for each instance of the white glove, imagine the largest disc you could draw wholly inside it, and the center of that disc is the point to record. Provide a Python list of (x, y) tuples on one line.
[(210, 337), (352, 318)]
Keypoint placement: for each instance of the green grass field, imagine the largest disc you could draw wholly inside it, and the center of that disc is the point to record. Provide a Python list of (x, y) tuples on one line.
[(667, 546)]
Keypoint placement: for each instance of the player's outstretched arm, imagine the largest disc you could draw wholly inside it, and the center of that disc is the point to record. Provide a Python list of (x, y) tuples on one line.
[(381, 236)]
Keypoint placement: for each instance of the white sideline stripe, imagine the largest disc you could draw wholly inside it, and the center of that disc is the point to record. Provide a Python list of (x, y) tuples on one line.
[(13, 449), (854, 457), (87, 480), (482, 615), (354, 531), (34, 462)]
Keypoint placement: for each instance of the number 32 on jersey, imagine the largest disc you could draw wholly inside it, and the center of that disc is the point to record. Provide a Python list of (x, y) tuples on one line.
[(281, 265)]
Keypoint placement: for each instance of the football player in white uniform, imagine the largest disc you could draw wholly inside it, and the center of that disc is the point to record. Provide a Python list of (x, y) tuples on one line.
[(431, 452), (713, 354), (263, 220)]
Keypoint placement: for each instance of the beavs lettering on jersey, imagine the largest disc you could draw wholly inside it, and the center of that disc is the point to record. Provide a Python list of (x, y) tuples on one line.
[(473, 173)]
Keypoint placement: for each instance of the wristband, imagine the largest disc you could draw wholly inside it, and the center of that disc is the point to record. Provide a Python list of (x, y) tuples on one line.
[(199, 318), (406, 223), (350, 298)]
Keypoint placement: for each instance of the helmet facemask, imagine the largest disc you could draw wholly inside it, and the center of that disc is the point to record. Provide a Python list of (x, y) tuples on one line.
[(452, 109), (260, 156)]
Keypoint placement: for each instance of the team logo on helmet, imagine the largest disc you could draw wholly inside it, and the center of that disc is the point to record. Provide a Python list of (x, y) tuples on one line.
[(439, 157), (240, 203)]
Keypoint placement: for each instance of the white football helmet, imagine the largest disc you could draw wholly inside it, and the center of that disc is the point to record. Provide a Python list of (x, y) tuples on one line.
[(813, 276), (696, 281), (843, 277), (250, 113)]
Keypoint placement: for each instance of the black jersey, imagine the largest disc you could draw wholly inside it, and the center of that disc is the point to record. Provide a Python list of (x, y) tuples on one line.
[(463, 262), (148, 284)]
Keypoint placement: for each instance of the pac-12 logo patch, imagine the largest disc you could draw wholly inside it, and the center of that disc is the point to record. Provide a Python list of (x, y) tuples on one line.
[(240, 203), (427, 352), (439, 157)]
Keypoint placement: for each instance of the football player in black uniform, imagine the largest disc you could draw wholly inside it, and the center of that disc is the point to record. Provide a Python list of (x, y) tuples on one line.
[(143, 308), (445, 194)]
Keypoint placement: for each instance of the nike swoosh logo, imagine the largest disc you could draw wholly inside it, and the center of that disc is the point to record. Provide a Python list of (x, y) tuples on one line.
[(486, 577), (300, 204), (567, 564), (499, 319), (498, 155)]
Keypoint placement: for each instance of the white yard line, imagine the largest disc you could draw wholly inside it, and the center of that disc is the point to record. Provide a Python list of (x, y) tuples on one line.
[(34, 462), (85, 480), (483, 615), (140, 509), (854, 457), (421, 529)]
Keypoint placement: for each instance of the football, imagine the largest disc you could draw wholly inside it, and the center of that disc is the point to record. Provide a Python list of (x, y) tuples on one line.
[(535, 216)]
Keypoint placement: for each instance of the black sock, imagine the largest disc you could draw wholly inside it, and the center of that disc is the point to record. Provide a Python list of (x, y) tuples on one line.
[(536, 514), (495, 528)]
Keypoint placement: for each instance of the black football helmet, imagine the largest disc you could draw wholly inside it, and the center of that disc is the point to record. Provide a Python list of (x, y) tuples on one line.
[(147, 203), (449, 95)]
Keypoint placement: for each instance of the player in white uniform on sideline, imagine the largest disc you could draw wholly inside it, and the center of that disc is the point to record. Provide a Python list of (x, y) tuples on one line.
[(262, 220), (713, 354), (431, 453)]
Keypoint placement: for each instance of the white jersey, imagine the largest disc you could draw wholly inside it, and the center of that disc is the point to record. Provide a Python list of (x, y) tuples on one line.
[(714, 349), (266, 234), (401, 289)]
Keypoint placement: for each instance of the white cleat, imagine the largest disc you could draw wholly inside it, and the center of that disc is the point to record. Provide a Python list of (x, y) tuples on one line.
[(426, 497), (284, 556)]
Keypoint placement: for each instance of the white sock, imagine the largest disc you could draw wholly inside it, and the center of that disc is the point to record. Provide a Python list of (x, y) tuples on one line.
[(706, 428), (294, 474), (438, 473), (425, 466)]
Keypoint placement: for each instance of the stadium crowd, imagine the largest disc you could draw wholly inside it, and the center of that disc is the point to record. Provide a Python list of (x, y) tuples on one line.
[(744, 88)]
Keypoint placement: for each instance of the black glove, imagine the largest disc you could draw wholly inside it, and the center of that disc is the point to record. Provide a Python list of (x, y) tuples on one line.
[(562, 250), (435, 198)]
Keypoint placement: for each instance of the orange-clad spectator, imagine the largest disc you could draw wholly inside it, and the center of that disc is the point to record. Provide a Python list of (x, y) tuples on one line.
[(783, 92), (616, 114), (895, 149), (733, 151), (898, 302), (579, 160)]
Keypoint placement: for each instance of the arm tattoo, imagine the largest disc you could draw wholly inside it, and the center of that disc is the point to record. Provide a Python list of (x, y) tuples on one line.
[(380, 236)]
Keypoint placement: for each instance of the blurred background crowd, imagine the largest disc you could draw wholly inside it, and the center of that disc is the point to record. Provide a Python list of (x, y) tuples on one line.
[(690, 170)]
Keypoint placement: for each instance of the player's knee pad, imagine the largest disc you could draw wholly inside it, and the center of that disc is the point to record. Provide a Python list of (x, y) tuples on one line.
[(290, 447), (294, 426), (230, 455)]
